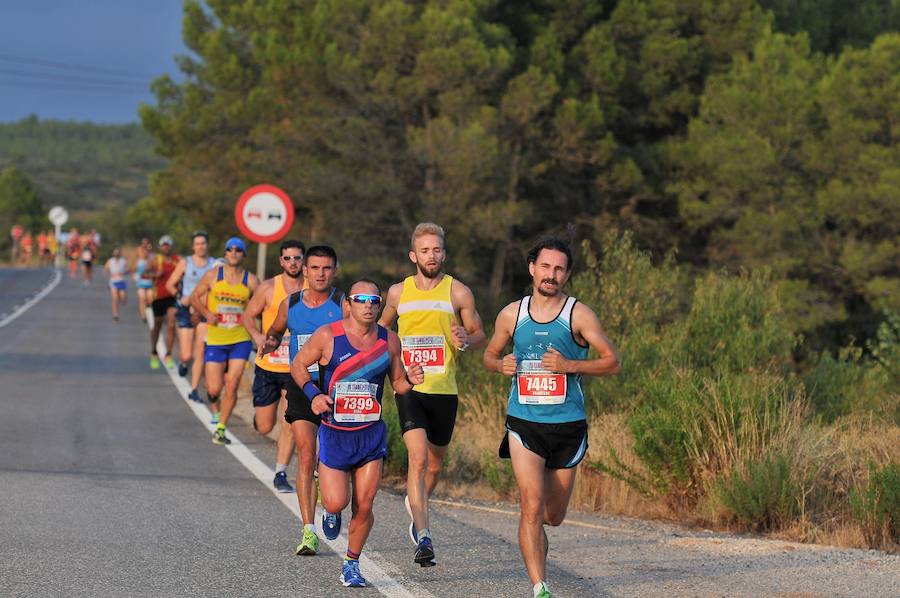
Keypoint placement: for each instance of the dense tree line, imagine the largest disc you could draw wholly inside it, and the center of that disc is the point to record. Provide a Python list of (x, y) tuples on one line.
[(83, 166), (715, 128)]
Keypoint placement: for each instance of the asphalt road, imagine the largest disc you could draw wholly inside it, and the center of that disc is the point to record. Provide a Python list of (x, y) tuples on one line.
[(109, 486)]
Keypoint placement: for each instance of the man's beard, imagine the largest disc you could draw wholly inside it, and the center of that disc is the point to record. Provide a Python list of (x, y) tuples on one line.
[(294, 276), (432, 274), (541, 290)]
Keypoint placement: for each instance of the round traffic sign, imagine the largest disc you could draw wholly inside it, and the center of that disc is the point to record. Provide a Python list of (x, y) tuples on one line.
[(58, 215), (264, 213), (16, 232)]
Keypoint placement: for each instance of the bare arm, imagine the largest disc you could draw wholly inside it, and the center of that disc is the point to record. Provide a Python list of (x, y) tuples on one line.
[(175, 277), (494, 358), (273, 335), (586, 327), (402, 379), (391, 302), (315, 349), (471, 333), (254, 308)]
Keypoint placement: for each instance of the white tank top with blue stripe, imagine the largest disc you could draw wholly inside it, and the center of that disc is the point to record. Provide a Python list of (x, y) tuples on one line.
[(536, 394)]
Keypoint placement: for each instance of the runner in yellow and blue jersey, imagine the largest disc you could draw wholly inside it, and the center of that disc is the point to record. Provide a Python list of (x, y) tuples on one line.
[(354, 357), (546, 422), (221, 297), (436, 320)]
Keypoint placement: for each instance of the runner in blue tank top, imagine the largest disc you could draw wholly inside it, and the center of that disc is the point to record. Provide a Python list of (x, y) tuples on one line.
[(191, 327), (303, 313), (546, 422), (354, 356)]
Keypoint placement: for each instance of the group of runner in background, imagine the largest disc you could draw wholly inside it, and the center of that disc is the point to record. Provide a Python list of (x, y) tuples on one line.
[(323, 357)]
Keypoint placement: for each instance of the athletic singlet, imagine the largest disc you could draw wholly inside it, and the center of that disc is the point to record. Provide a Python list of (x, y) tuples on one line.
[(117, 267), (355, 380), (536, 394), (193, 274), (277, 360), (166, 265), (424, 319), (227, 302), (142, 283), (304, 320)]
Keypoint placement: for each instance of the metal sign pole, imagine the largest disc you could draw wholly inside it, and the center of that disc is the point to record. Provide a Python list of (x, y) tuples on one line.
[(261, 261)]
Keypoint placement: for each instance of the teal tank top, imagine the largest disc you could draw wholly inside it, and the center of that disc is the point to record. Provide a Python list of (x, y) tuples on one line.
[(536, 394)]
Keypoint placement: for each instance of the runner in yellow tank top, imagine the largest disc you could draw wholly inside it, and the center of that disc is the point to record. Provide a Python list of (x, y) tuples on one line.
[(272, 373), (221, 297), (437, 319)]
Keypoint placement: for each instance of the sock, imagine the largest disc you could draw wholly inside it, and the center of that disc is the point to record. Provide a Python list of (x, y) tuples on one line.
[(311, 527), (352, 556), (212, 398), (220, 426), (424, 533), (541, 585), (279, 467)]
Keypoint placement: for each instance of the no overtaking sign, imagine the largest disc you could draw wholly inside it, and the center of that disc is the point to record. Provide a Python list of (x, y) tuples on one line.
[(264, 213)]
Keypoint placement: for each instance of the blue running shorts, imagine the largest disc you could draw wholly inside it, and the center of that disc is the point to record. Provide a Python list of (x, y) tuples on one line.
[(223, 353), (347, 450)]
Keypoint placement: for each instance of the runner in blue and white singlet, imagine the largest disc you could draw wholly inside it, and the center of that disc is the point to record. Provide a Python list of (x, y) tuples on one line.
[(546, 422)]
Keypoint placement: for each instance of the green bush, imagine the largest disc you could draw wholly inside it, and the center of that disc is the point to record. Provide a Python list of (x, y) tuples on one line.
[(877, 506), (498, 473), (397, 457), (762, 497)]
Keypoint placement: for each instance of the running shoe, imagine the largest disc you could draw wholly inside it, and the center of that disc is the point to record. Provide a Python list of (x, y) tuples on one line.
[(215, 417), (154, 362), (544, 593), (219, 437), (310, 544), (331, 524), (194, 396), (281, 483), (413, 534), (425, 553), (350, 575), (182, 369), (170, 363)]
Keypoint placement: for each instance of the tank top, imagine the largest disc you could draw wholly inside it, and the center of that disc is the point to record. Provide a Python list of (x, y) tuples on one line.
[(193, 274), (424, 328), (227, 302), (166, 265), (117, 268), (538, 395), (278, 360), (355, 381), (304, 320)]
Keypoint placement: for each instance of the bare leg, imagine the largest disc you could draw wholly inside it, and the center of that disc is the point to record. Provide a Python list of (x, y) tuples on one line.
[(199, 347), (170, 330), (232, 380), (365, 486), (215, 382), (529, 469), (305, 441)]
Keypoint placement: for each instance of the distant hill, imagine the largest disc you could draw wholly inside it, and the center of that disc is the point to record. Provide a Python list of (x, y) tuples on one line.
[(83, 166)]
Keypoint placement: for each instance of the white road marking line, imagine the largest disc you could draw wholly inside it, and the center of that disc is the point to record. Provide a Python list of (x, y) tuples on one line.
[(19, 310), (375, 575)]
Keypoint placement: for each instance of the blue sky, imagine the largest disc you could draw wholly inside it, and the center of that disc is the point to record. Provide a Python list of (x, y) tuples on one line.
[(85, 60)]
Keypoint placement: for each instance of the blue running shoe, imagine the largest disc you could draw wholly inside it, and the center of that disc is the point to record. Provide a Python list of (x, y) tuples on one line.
[(331, 525), (182, 369), (281, 483), (425, 553), (350, 575), (194, 396)]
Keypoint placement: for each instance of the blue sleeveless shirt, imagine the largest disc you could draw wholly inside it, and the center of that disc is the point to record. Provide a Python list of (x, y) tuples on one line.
[(193, 274), (302, 320), (536, 394), (354, 380)]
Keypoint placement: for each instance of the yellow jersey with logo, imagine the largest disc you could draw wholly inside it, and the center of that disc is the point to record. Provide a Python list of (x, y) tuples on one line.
[(279, 359), (227, 303), (424, 320)]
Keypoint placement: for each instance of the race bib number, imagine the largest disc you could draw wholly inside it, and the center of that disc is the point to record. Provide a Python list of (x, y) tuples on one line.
[(229, 316), (537, 386), (427, 351), (302, 340), (282, 355), (356, 402)]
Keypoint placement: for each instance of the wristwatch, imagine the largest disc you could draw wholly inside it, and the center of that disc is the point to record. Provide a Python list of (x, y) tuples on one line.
[(464, 347)]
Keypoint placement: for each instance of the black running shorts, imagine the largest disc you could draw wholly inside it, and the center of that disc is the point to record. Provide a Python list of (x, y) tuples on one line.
[(298, 406), (434, 413), (161, 306), (267, 386), (561, 445)]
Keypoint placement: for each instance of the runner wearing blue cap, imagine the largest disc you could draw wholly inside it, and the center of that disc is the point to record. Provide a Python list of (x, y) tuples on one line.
[(221, 297)]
